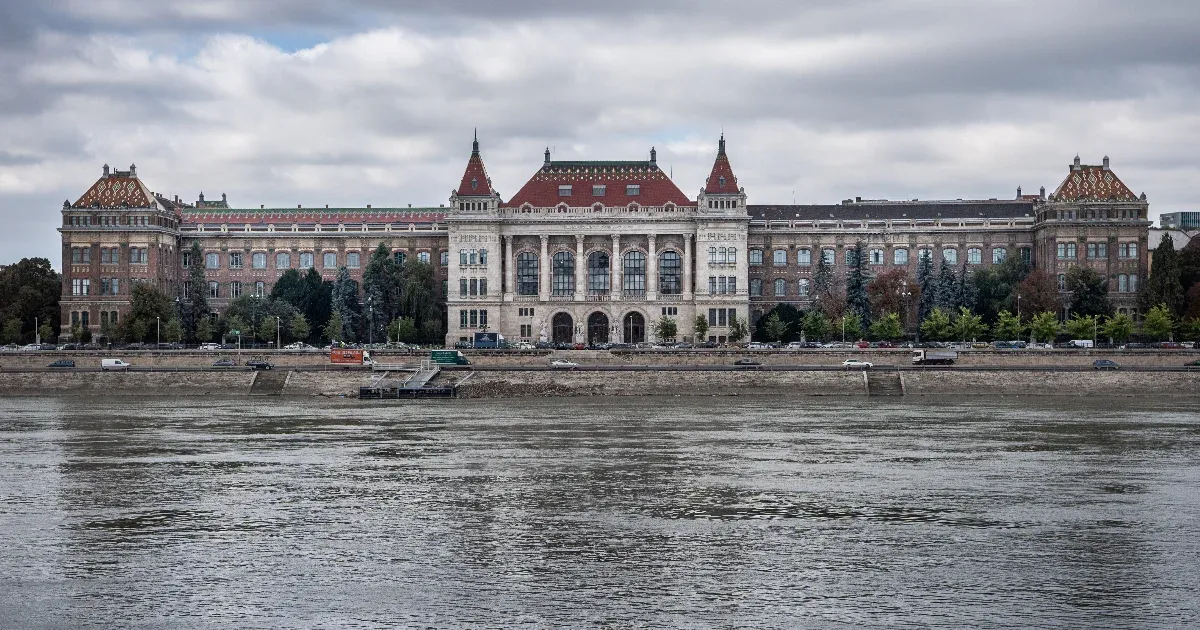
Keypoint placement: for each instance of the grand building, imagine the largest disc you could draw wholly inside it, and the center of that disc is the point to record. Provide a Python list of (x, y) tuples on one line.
[(589, 251)]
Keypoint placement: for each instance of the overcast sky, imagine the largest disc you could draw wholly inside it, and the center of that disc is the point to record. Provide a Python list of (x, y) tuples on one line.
[(374, 101)]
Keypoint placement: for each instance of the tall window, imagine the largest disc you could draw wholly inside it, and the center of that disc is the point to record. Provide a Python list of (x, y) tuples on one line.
[(423, 257), (634, 273), (756, 257), (829, 256), (755, 287), (562, 279), (353, 260), (235, 260), (399, 257), (900, 256), (802, 287), (105, 257), (998, 255), (283, 260), (212, 260), (950, 256), (185, 259), (260, 288), (1067, 251), (876, 256), (329, 260), (1127, 250), (258, 260), (483, 256), (780, 287), (669, 269), (924, 254), (213, 289), (804, 257), (527, 273), (445, 258), (598, 271), (779, 258), (235, 289), (974, 256), (306, 260)]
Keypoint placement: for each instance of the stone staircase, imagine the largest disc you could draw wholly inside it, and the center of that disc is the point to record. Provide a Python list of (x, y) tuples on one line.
[(269, 382), (884, 383)]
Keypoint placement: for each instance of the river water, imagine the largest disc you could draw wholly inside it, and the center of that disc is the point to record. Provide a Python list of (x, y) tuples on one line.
[(632, 512)]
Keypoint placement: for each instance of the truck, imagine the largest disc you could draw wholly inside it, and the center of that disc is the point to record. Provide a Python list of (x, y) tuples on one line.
[(487, 340), (448, 357), (1083, 343), (348, 356), (934, 357)]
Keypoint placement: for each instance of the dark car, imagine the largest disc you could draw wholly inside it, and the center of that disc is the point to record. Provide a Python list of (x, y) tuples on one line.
[(1195, 363), (747, 363), (225, 363), (62, 363), (258, 364), (1105, 364), (1171, 345)]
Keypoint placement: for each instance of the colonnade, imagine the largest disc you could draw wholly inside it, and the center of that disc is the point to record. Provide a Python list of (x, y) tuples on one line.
[(616, 259)]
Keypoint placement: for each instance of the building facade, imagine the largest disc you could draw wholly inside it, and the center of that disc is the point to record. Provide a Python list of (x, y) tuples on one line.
[(588, 251)]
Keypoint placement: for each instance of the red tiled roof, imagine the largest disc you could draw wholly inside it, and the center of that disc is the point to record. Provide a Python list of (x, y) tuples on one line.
[(721, 180), (654, 187), (475, 180), (1089, 182), (122, 189)]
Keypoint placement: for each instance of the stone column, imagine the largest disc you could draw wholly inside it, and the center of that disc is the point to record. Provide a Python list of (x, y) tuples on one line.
[(687, 266), (544, 270), (580, 269), (615, 262), (651, 268), (510, 266)]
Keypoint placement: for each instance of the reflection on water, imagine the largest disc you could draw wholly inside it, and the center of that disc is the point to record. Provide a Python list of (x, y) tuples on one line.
[(598, 512)]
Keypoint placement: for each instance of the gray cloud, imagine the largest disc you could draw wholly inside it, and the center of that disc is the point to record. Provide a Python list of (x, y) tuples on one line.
[(373, 101)]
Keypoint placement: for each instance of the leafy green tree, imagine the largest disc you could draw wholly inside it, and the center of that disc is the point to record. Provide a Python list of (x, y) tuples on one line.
[(738, 330), (289, 288), (1045, 326), (887, 327), (1089, 292), (205, 330), (857, 278), (194, 306), (665, 328), (789, 315), (172, 330), (403, 330), (345, 305), (1165, 285), (815, 325), (1008, 327), (333, 329), (381, 286), (967, 293), (1082, 326), (1039, 293), (298, 327), (272, 326), (937, 326), (1118, 328), (1158, 323), (148, 306), (852, 327), (235, 323), (774, 328), (995, 287), (30, 289), (1191, 329), (46, 331), (433, 331), (967, 325), (701, 327), (12, 331), (139, 330)]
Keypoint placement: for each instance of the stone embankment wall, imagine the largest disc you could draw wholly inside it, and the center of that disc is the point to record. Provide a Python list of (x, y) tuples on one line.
[(97, 384), (516, 383)]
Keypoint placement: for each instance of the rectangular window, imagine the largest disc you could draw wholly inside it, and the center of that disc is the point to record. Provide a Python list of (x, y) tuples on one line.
[(526, 330), (235, 289), (829, 257), (633, 190), (1133, 283), (213, 289), (802, 287), (445, 258), (483, 318), (260, 288), (105, 258), (721, 255), (779, 257), (353, 260), (483, 287), (950, 255), (116, 256), (462, 258), (732, 284), (722, 315), (462, 287), (900, 257), (1127, 250), (185, 258), (473, 258), (712, 285), (462, 319), (329, 260), (212, 260), (712, 317), (116, 288), (1027, 255), (1062, 282), (804, 257), (755, 287), (105, 286), (1122, 283), (564, 190), (474, 284), (235, 260), (421, 256), (258, 260), (598, 190), (998, 255), (283, 260), (474, 318), (974, 256), (722, 289), (306, 260), (483, 256), (876, 256), (756, 257)]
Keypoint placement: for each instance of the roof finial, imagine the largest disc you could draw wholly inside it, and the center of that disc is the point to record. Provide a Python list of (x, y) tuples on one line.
[(721, 145), (547, 163), (475, 144), (653, 156)]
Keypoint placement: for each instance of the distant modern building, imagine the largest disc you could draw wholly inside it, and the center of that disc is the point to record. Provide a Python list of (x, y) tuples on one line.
[(588, 251), (1179, 221)]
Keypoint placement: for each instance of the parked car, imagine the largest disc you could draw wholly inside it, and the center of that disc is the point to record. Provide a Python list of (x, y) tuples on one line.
[(885, 344), (1195, 363), (747, 363), (259, 364), (62, 363), (1171, 345), (113, 364), (224, 363), (31, 347), (209, 346), (855, 363), (1105, 364), (299, 345), (563, 364)]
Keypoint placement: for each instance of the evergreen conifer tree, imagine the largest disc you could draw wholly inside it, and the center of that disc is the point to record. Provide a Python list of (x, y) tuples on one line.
[(345, 304), (194, 305), (857, 301), (927, 280), (1164, 285)]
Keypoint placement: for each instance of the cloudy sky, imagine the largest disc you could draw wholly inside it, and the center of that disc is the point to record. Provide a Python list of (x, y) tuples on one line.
[(350, 102)]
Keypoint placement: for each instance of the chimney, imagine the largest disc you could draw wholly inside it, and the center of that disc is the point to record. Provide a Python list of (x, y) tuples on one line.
[(261, 206), (547, 162), (653, 156), (298, 206), (1018, 192), (201, 196), (133, 170), (223, 199), (1105, 163), (106, 170), (1076, 166), (368, 206), (1042, 193)]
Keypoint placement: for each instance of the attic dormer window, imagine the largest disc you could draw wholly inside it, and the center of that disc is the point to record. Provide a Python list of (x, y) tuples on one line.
[(474, 183), (598, 190), (564, 190), (721, 181), (633, 189)]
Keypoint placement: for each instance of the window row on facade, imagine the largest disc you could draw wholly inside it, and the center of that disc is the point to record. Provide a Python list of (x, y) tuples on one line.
[(876, 256), (599, 273), (110, 221), (110, 256), (1095, 250), (306, 260)]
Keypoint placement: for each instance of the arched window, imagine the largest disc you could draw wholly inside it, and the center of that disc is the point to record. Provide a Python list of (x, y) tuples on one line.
[(527, 273), (998, 255), (974, 256), (950, 256), (283, 260), (634, 274), (780, 287), (669, 267), (562, 279), (829, 257), (599, 279), (900, 256), (212, 260), (802, 287), (399, 257), (780, 257), (755, 287), (804, 257), (876, 256)]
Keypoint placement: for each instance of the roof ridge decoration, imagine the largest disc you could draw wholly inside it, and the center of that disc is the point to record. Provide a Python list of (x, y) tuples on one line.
[(721, 180), (612, 183), (1093, 183), (116, 189), (475, 181)]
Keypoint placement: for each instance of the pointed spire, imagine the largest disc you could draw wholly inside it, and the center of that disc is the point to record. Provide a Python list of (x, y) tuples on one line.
[(547, 162), (475, 181), (653, 156), (721, 180), (475, 143), (721, 145)]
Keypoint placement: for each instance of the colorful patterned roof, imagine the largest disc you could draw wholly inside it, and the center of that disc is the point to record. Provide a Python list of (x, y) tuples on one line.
[(654, 187), (475, 180), (721, 180), (1088, 182), (120, 189), (324, 216)]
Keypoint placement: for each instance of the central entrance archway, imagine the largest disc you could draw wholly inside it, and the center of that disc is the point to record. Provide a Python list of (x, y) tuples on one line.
[(635, 328), (563, 328), (597, 328)]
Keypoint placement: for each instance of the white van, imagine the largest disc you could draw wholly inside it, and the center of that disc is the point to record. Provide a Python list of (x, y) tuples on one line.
[(113, 364), (210, 346)]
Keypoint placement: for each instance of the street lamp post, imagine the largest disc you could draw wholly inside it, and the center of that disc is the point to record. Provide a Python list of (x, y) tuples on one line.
[(371, 326), (37, 334), (277, 339), (906, 293), (158, 334)]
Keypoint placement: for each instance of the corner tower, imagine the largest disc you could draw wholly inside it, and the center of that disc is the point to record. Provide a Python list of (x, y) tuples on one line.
[(721, 194), (473, 277)]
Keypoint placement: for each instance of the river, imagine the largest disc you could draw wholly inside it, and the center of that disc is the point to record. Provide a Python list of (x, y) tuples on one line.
[(628, 512)]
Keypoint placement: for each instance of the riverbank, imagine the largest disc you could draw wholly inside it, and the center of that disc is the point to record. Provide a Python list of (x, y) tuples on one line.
[(524, 383)]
